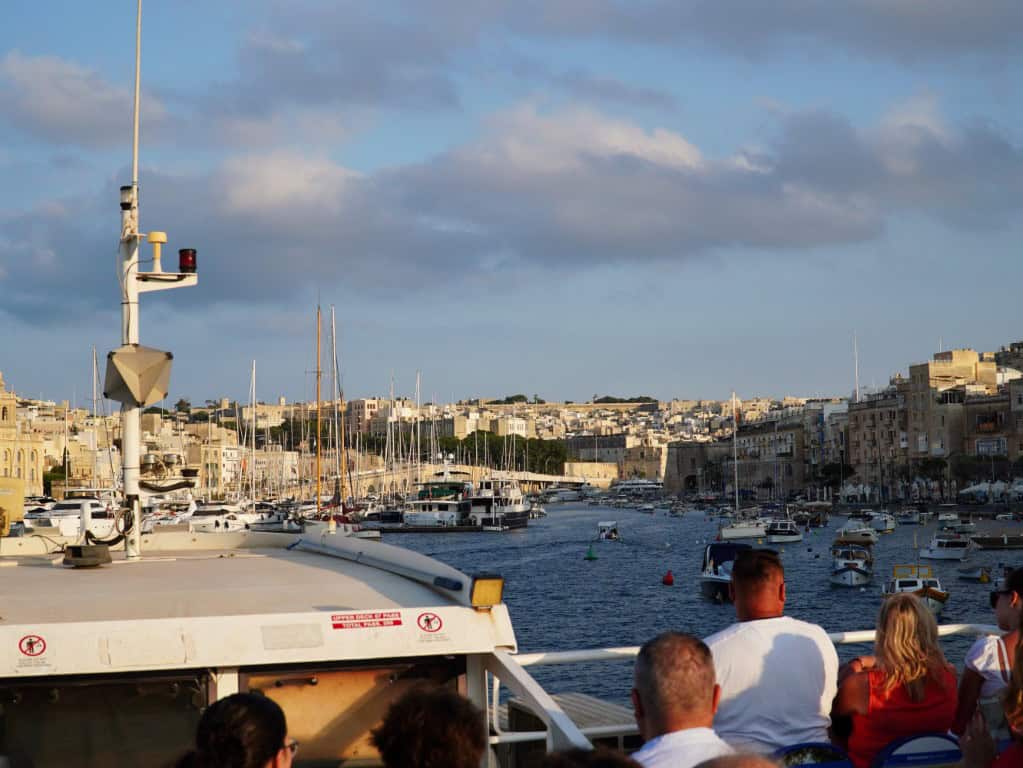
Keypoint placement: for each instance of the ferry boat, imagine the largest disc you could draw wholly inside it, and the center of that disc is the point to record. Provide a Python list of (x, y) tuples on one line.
[(783, 532), (716, 569), (944, 547), (920, 581)]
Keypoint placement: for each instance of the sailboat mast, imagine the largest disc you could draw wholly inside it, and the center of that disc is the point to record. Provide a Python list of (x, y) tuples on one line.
[(252, 455), (95, 374), (341, 462), (735, 451), (318, 423)]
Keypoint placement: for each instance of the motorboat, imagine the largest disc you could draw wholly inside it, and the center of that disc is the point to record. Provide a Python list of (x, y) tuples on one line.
[(882, 522), (743, 528), (963, 526), (852, 565), (498, 504), (980, 574), (948, 515), (908, 516), (783, 532), (920, 581), (946, 547), (607, 530), (856, 533), (716, 570)]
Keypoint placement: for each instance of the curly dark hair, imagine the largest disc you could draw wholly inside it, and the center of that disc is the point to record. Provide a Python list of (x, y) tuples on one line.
[(243, 730), (431, 728)]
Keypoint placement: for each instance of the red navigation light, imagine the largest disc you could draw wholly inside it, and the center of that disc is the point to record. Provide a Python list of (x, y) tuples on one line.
[(186, 260)]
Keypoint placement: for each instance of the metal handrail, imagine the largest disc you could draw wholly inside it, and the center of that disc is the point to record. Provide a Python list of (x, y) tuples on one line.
[(620, 653)]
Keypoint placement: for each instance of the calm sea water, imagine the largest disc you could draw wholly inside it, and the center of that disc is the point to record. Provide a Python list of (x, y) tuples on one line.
[(559, 601)]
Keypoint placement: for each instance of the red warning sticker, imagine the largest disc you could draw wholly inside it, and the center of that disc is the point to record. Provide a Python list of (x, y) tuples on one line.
[(32, 645), (364, 620)]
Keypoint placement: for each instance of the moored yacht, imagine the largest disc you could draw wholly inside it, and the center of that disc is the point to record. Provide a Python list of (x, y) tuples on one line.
[(882, 522), (497, 504), (946, 547), (856, 533), (783, 532)]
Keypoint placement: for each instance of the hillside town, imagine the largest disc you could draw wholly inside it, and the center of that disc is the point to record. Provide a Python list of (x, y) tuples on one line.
[(944, 425)]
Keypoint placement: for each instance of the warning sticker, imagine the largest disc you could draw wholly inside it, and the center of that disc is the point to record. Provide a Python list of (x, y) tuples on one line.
[(429, 622), (32, 645), (364, 620)]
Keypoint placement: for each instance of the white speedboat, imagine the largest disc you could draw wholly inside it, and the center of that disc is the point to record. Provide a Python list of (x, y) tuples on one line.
[(852, 565), (716, 570), (920, 581), (882, 522), (856, 533), (743, 529), (783, 532), (946, 547)]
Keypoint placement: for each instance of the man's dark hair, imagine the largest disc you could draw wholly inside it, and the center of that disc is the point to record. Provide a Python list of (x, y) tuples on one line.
[(753, 568), (243, 730), (674, 673), (601, 757), (431, 728)]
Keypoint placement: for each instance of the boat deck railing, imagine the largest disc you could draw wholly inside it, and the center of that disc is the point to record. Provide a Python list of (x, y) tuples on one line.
[(510, 670)]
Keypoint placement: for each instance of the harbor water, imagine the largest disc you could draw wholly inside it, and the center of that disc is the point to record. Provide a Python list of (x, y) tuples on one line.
[(559, 601)]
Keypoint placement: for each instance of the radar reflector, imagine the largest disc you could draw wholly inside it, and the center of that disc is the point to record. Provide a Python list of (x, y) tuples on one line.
[(137, 375)]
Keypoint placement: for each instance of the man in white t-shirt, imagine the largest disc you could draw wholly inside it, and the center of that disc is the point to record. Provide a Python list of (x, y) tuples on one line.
[(778, 675), (674, 698)]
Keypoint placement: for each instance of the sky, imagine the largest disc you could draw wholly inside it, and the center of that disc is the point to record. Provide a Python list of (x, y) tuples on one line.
[(677, 198)]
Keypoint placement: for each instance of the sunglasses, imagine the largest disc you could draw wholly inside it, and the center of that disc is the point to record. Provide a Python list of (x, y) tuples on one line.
[(292, 747), (997, 594)]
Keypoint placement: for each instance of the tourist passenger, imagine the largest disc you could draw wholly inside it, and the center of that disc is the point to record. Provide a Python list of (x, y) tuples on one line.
[(905, 688), (431, 728), (243, 730), (989, 661), (778, 675), (674, 699), (979, 749)]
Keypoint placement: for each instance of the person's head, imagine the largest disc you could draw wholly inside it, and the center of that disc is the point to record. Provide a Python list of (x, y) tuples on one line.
[(243, 730), (906, 644), (758, 585), (674, 686), (1008, 601), (600, 757), (431, 728)]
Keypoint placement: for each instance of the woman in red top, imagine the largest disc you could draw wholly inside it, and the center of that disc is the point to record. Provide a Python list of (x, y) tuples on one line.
[(904, 689)]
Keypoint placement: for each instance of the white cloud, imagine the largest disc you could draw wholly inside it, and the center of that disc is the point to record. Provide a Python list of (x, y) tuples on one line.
[(65, 103), (280, 182)]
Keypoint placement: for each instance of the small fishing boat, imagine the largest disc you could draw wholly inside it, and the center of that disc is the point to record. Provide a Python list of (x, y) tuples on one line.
[(852, 565), (607, 530), (716, 570), (946, 547), (783, 532), (920, 581)]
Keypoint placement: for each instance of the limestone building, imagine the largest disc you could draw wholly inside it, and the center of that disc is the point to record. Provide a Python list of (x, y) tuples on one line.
[(21, 449)]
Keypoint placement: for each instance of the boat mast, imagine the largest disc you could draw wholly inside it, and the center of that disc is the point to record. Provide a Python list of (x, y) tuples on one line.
[(735, 451), (340, 463), (252, 455), (95, 374), (318, 423)]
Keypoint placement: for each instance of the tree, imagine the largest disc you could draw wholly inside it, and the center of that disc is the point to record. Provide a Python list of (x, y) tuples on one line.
[(183, 406)]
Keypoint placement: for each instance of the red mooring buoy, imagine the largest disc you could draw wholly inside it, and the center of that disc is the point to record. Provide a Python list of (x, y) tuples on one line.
[(668, 579)]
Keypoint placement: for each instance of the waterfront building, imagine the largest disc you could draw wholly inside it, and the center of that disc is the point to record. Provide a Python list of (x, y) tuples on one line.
[(935, 399), (878, 441), (21, 448), (989, 429), (771, 456)]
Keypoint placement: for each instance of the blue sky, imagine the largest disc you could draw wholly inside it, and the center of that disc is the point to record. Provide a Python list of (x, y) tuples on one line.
[(589, 196)]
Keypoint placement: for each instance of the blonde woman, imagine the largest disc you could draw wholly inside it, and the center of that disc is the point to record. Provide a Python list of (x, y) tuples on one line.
[(907, 687), (989, 661)]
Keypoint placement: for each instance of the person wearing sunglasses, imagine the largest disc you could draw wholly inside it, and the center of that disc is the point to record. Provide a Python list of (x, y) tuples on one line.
[(243, 730), (988, 666)]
